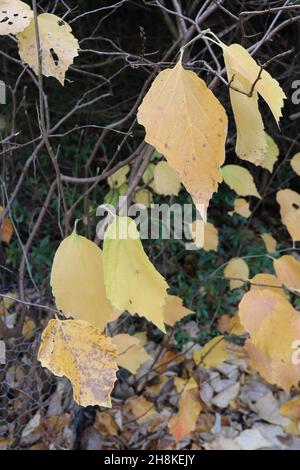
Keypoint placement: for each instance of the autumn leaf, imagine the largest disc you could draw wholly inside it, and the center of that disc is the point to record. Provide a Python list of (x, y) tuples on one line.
[(143, 197), (131, 355), (186, 123), (239, 180), (142, 408), (132, 282), (267, 281), (6, 230), (58, 46), (274, 326), (237, 271), (79, 351), (119, 177), (241, 207), (184, 422), (287, 269), (270, 242), (272, 154), (289, 202), (77, 281), (212, 354), (166, 180), (210, 235), (243, 73), (15, 16), (295, 163), (174, 310)]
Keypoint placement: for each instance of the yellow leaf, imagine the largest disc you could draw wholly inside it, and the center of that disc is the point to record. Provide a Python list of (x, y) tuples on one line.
[(267, 281), (77, 281), (241, 207), (271, 155), (210, 235), (119, 177), (187, 123), (166, 180), (289, 202), (287, 270), (291, 409), (131, 355), (143, 197), (58, 46), (243, 72), (295, 163), (174, 310), (238, 270), (148, 176), (142, 408), (15, 16), (274, 326), (270, 242), (185, 421), (132, 282), (7, 229), (212, 354), (183, 385), (240, 180), (79, 351)]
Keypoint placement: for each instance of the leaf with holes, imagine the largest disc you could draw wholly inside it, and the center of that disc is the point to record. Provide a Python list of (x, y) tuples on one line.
[(58, 46), (187, 123), (15, 16), (289, 202), (79, 351)]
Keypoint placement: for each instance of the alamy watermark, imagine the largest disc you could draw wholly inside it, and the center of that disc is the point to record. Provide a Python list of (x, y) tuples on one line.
[(160, 221)]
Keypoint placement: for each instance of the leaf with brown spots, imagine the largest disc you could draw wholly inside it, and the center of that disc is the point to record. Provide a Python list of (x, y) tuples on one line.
[(15, 16), (186, 123), (58, 46), (79, 351)]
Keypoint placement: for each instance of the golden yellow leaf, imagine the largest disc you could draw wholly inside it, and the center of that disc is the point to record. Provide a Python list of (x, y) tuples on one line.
[(15, 16), (267, 281), (166, 180), (287, 269), (131, 355), (183, 385), (243, 72), (185, 421), (289, 202), (241, 207), (229, 324), (119, 177), (187, 123), (210, 235), (143, 197), (212, 354), (58, 46), (174, 310), (295, 163), (79, 351), (142, 408), (271, 155), (274, 326), (132, 282), (270, 242), (77, 281), (291, 409), (6, 230), (240, 180), (236, 268)]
